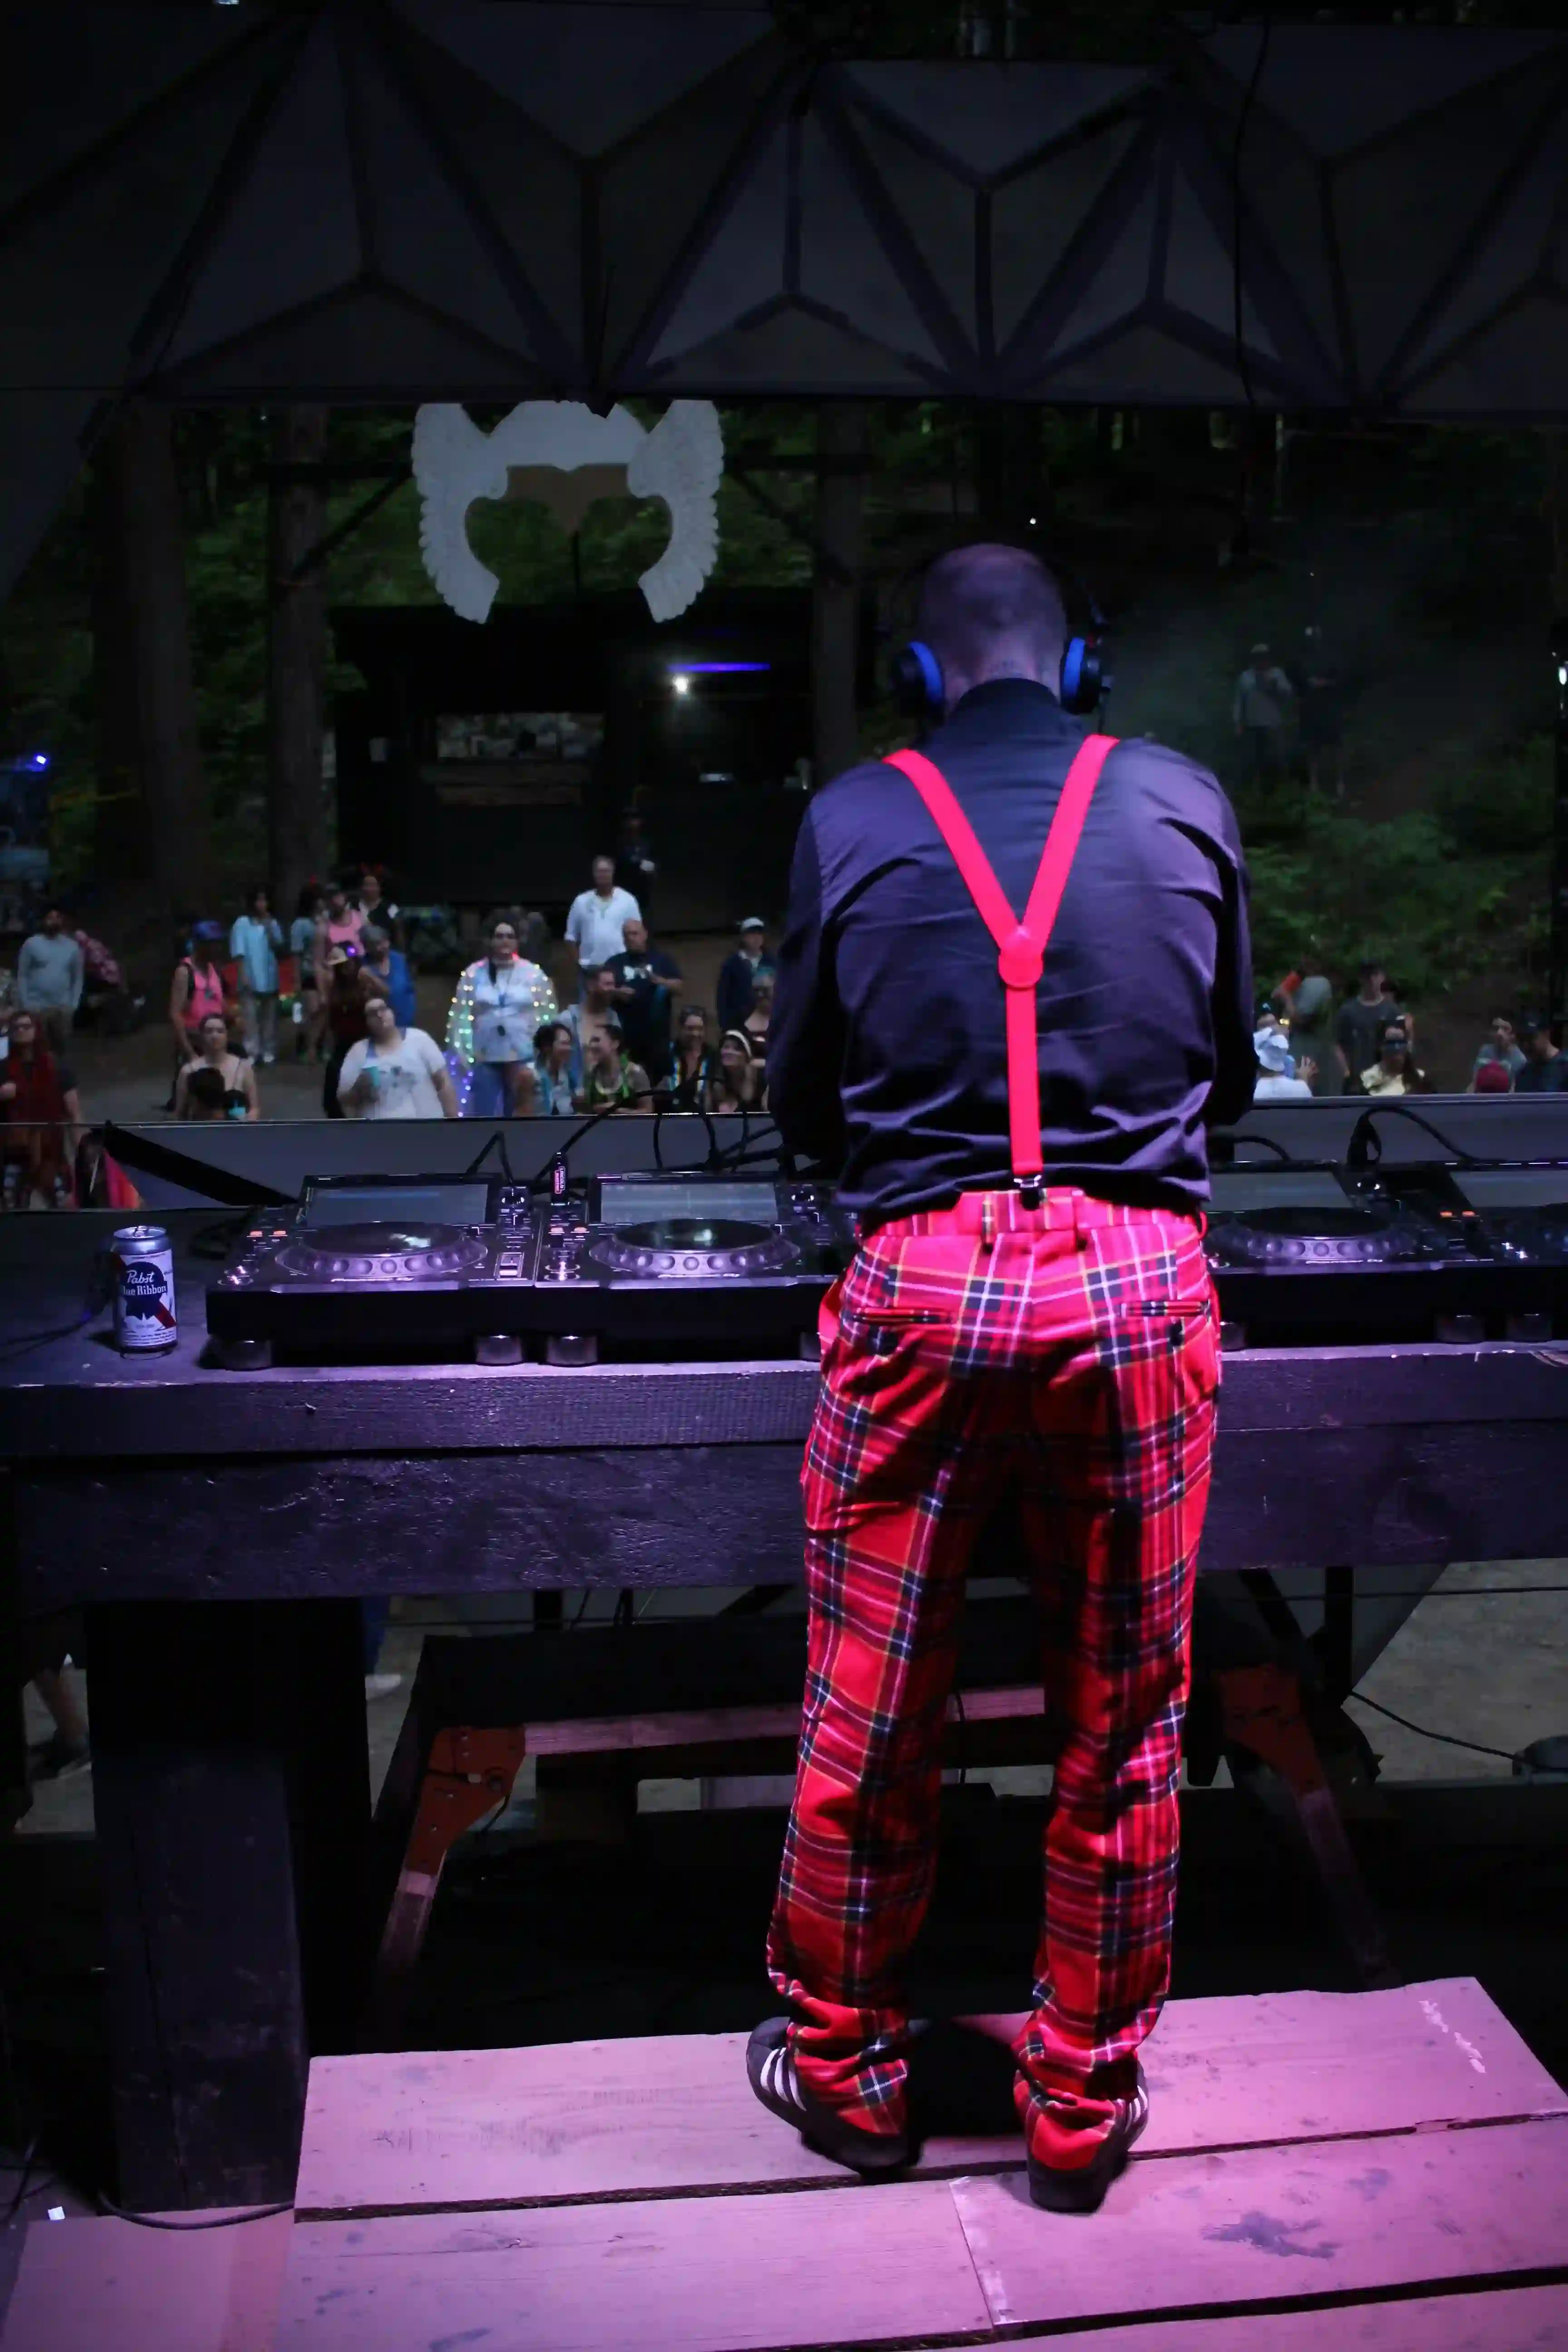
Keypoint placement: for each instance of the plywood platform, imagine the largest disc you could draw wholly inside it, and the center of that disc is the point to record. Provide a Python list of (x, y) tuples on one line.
[(1376, 2172)]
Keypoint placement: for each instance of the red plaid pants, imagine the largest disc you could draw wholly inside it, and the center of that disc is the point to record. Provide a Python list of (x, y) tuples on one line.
[(1067, 1357)]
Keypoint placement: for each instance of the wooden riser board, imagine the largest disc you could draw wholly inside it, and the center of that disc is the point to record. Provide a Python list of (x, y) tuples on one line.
[(88, 2285), (928, 2260), (1512, 2320), (444, 2130)]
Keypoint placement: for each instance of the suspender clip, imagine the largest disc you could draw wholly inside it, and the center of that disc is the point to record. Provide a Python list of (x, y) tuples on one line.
[(1031, 1191)]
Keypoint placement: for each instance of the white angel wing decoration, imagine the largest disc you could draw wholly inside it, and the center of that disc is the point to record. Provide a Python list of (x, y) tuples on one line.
[(454, 464), (680, 462)]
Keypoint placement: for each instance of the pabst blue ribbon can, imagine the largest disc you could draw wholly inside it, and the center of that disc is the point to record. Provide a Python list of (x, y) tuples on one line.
[(141, 1266)]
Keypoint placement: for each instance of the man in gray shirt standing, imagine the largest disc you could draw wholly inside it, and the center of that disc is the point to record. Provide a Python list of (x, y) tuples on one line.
[(1264, 695), (48, 978)]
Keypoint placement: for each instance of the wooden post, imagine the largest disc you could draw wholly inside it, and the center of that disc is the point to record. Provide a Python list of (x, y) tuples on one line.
[(835, 588), (146, 498), (232, 1788), (297, 841)]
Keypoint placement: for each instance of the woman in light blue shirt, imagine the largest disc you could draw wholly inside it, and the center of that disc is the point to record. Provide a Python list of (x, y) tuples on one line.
[(254, 943)]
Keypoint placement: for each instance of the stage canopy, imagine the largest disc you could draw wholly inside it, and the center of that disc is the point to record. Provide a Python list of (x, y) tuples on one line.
[(406, 200)]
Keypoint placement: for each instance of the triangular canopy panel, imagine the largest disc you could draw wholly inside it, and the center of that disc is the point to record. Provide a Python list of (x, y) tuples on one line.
[(406, 200)]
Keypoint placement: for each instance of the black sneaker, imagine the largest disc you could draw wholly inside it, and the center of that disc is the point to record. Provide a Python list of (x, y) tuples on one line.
[(771, 2074), (1082, 2190)]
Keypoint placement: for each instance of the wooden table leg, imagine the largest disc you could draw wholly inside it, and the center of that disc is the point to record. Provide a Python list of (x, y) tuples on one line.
[(231, 1785)]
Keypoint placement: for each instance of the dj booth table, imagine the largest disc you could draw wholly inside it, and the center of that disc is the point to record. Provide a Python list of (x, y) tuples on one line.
[(219, 1528)]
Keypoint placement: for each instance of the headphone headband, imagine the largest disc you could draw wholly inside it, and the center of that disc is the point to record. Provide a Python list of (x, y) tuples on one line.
[(916, 676)]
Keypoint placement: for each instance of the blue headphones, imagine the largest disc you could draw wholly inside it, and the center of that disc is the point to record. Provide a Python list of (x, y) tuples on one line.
[(918, 682), (916, 673)]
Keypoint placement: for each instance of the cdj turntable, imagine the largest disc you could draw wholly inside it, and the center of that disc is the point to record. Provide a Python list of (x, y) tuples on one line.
[(1324, 1256), (646, 1261), (377, 1268), (374, 1265)]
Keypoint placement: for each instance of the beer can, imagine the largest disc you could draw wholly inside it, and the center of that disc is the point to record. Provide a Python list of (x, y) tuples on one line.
[(142, 1267)]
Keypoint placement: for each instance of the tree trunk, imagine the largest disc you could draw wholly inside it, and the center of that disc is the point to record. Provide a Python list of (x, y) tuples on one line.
[(178, 818), (841, 438), (122, 837), (296, 828)]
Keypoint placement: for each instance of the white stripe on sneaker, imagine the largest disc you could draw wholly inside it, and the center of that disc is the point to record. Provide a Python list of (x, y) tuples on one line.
[(779, 2078)]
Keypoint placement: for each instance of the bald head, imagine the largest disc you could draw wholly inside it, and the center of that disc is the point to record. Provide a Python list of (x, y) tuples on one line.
[(992, 612)]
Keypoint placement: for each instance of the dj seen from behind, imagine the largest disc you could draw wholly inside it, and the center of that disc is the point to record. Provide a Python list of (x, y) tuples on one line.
[(1021, 1115)]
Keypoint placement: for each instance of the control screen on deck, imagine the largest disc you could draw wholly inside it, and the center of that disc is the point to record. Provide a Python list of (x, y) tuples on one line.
[(397, 1204), (1512, 1188), (1240, 1190), (640, 1204)]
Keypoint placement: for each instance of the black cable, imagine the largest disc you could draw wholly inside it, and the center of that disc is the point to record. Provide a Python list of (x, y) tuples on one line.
[(962, 1738), (1365, 1148), (1272, 1144), (493, 1142), (1474, 1746), (42, 1338), (225, 2222), (594, 1117), (14, 2207)]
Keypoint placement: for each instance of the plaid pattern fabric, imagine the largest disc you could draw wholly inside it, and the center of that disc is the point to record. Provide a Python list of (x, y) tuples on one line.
[(1067, 1356)]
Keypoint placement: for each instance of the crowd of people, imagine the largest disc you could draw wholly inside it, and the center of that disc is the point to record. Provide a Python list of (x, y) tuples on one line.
[(624, 1037), (1305, 1046), (614, 1029)]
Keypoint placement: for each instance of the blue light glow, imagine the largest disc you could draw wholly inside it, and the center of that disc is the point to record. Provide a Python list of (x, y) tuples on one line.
[(718, 669)]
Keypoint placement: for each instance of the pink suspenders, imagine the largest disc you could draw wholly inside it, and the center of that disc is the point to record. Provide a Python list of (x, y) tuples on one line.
[(1021, 945)]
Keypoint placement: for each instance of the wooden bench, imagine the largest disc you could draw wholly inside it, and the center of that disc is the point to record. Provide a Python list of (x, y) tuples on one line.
[(704, 1696)]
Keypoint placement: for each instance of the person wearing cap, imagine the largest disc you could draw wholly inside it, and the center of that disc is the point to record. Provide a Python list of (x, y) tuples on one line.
[(1492, 1078), (1262, 703), (350, 986), (738, 974), (1545, 1070), (1013, 994), (197, 990), (1278, 1079), (1395, 1071)]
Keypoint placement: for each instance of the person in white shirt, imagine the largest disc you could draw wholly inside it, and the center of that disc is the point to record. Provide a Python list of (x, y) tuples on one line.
[(395, 1073), (596, 925), (1275, 1083)]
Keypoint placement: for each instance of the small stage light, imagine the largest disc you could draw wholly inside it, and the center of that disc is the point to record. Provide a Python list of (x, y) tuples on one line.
[(680, 682)]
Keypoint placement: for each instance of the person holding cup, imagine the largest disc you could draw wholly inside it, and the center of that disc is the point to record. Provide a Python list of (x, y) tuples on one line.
[(395, 1073)]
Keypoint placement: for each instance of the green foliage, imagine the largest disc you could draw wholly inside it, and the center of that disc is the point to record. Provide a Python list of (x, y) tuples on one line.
[(1407, 889), (1504, 808)]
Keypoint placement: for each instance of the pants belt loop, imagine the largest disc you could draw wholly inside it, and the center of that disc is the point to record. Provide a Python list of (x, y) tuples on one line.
[(1079, 1226), (987, 1222)]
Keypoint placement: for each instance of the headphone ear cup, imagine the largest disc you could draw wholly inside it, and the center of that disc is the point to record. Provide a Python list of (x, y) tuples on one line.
[(1082, 680), (916, 676)]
